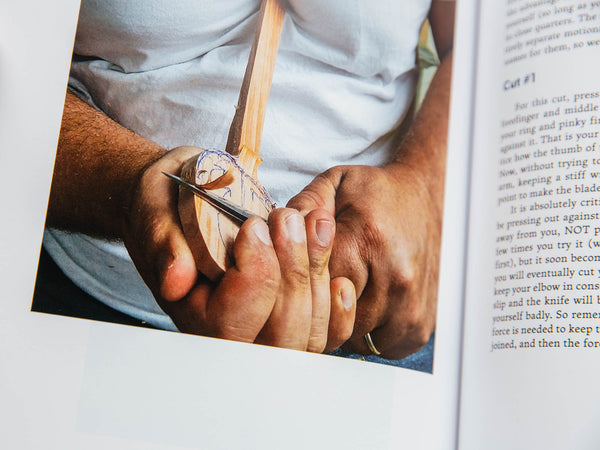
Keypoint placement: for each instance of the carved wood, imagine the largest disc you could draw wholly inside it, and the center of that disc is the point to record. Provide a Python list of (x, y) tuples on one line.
[(210, 234)]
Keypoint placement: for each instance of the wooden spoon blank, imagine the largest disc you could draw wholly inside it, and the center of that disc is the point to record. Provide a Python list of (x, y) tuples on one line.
[(209, 233)]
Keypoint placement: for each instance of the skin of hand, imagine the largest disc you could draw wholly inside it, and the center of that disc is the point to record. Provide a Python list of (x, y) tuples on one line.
[(277, 293), (387, 243), (389, 231), (108, 182)]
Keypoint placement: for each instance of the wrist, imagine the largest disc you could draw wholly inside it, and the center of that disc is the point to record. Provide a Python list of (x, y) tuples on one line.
[(423, 150), (135, 184), (150, 195), (423, 179), (97, 168)]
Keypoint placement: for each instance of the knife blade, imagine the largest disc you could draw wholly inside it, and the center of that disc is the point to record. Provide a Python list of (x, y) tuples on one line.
[(237, 214)]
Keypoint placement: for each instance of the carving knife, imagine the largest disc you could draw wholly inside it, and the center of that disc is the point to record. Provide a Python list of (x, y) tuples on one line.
[(234, 212)]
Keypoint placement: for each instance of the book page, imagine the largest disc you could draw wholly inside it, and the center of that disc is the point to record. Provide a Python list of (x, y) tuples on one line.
[(74, 383), (532, 329)]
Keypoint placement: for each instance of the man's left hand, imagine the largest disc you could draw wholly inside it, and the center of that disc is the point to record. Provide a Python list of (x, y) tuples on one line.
[(388, 229)]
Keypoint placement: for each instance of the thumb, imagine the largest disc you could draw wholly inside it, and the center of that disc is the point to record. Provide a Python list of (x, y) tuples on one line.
[(320, 193), (245, 296), (152, 232)]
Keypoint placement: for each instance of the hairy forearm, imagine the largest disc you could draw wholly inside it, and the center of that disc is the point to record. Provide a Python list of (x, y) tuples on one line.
[(424, 147), (97, 166)]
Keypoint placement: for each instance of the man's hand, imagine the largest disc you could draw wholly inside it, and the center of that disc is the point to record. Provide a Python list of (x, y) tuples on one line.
[(389, 223), (387, 243), (278, 293)]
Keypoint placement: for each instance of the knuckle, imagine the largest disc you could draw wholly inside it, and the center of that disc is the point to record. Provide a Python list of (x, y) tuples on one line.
[(316, 344), (418, 330), (326, 178), (277, 216), (308, 199), (402, 277), (420, 337), (318, 266), (412, 321), (270, 279), (271, 282), (318, 333), (297, 275), (373, 236), (317, 192), (233, 332)]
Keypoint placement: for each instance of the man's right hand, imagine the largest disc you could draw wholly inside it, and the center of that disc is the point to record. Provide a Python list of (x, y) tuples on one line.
[(108, 182), (278, 292)]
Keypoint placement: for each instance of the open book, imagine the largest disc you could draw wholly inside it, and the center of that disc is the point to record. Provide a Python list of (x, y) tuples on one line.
[(517, 333)]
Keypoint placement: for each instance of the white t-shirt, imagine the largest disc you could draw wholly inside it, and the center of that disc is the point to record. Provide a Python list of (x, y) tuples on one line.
[(344, 79)]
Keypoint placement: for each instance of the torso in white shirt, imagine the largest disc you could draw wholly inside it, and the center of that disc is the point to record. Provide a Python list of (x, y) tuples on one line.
[(171, 71)]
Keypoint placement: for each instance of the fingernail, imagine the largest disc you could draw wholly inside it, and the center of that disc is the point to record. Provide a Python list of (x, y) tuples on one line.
[(347, 296), (324, 230), (295, 227), (261, 230)]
